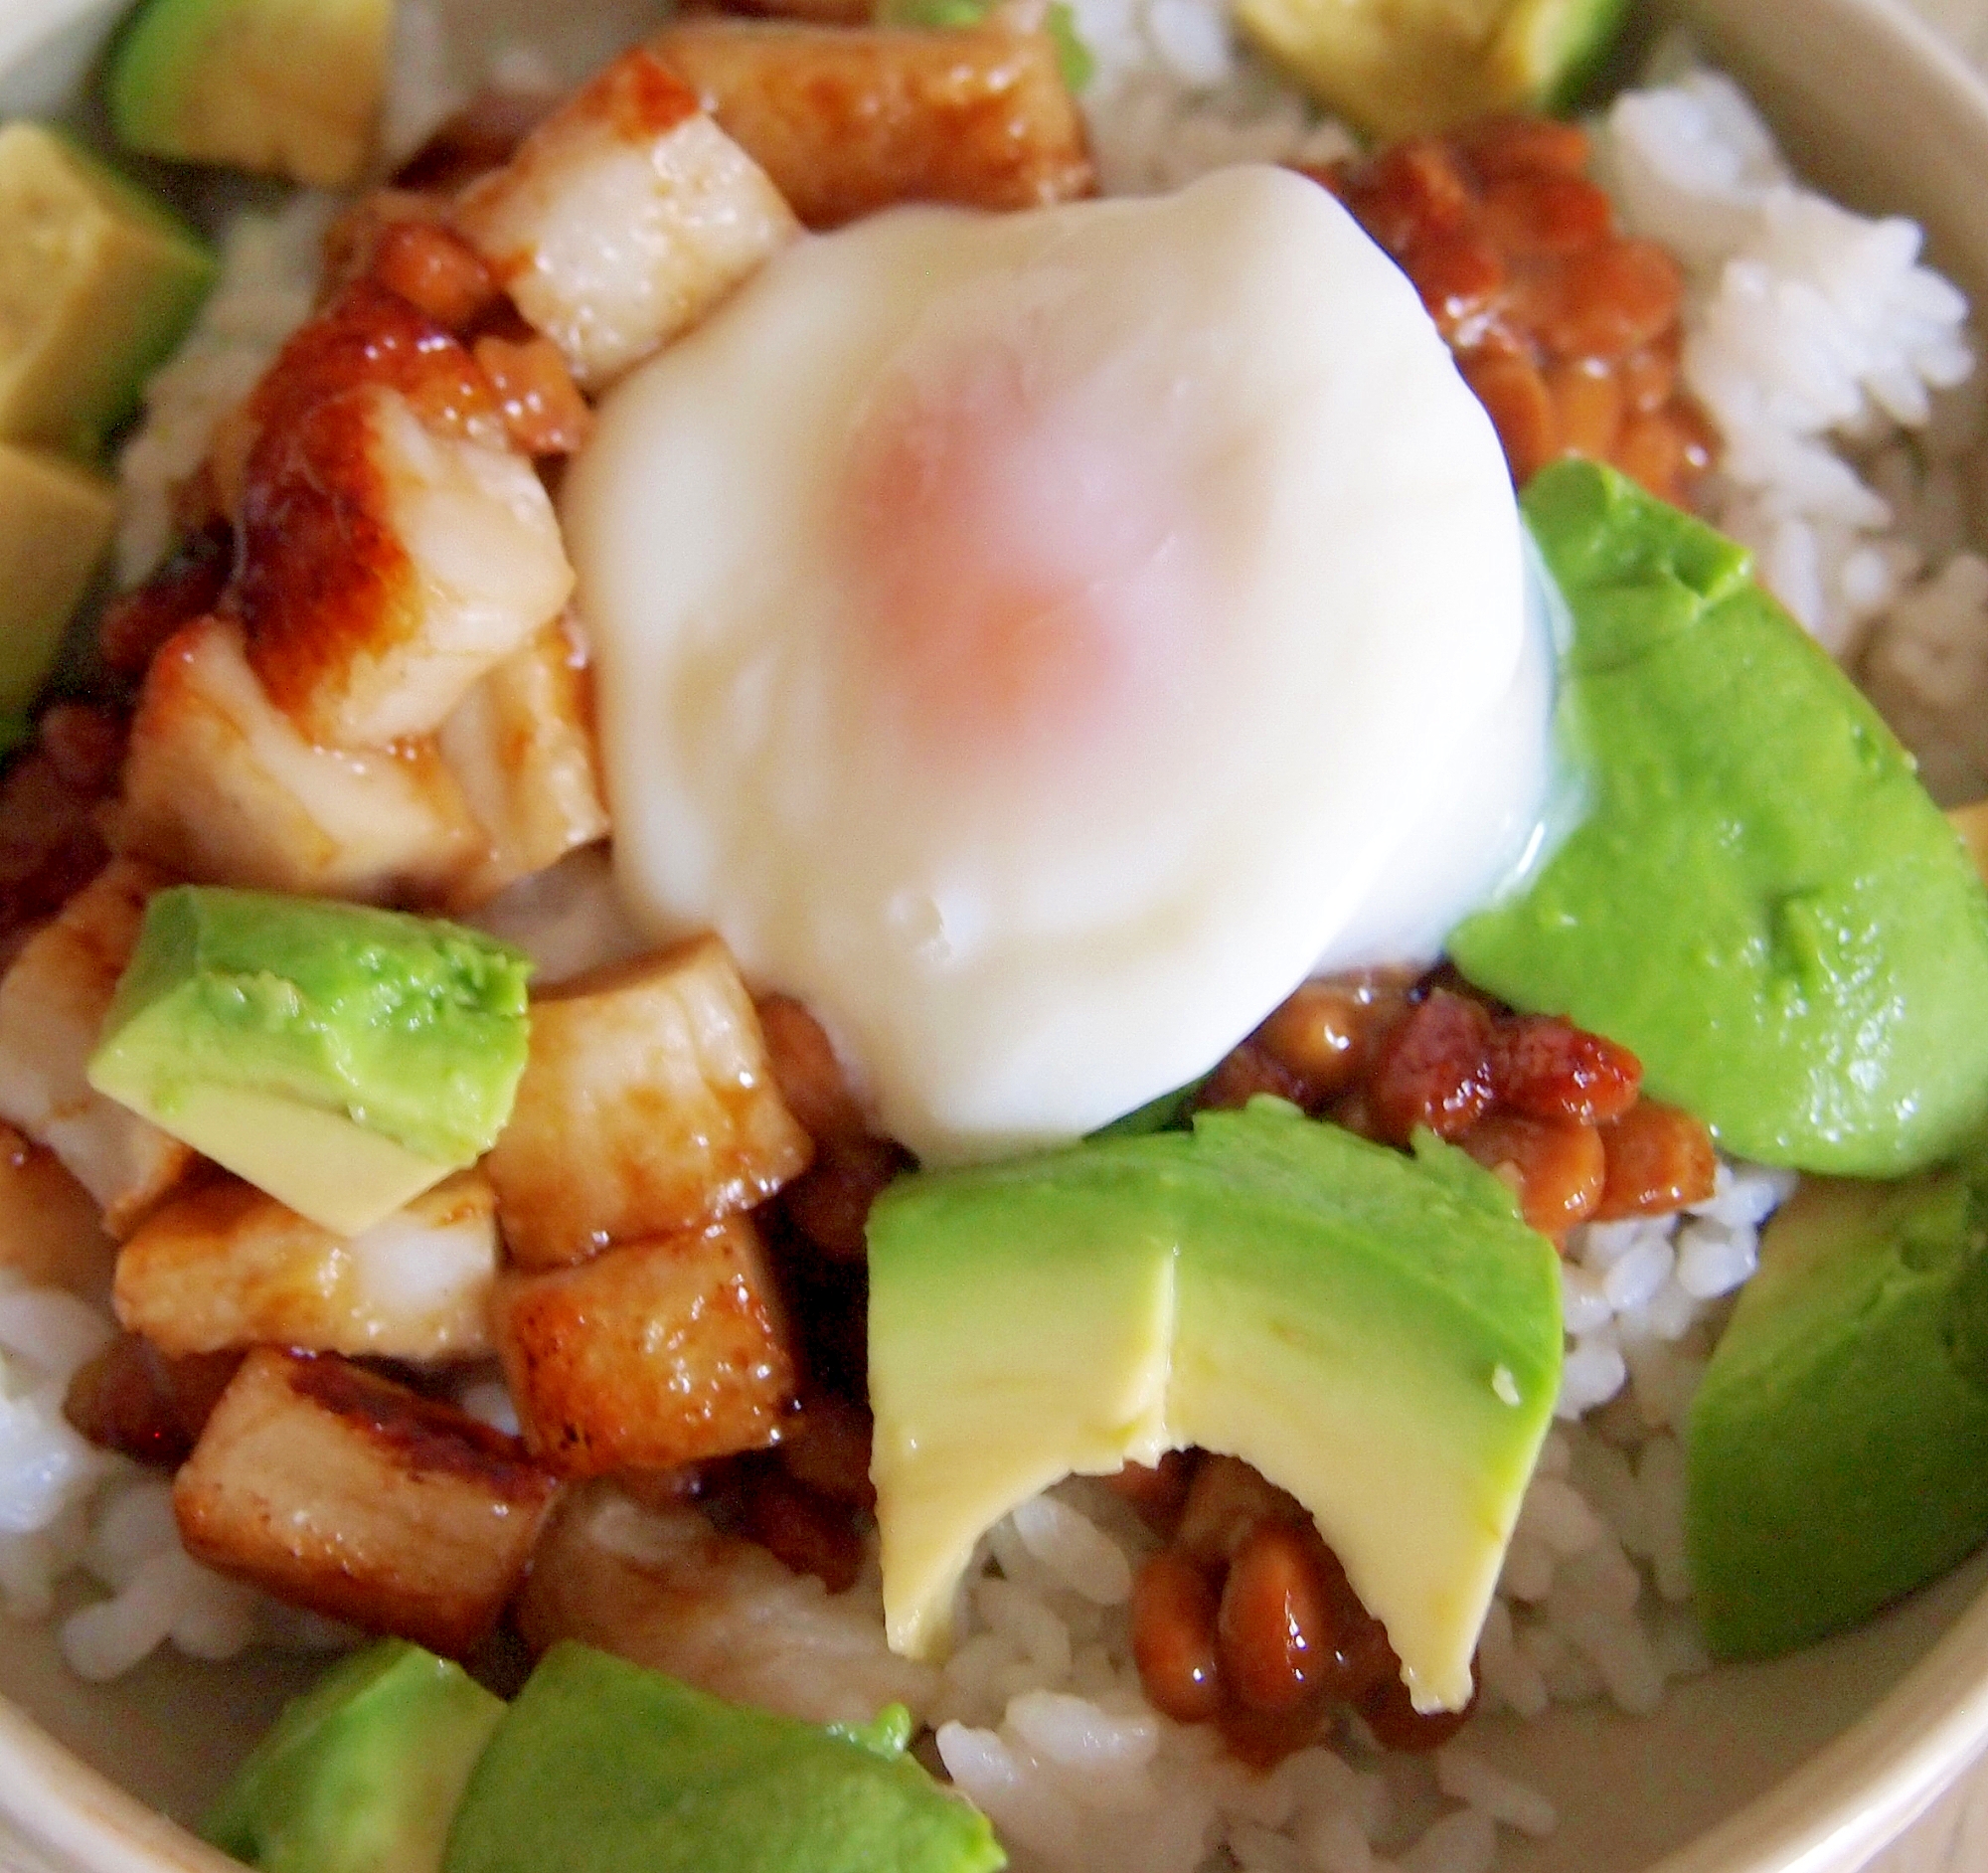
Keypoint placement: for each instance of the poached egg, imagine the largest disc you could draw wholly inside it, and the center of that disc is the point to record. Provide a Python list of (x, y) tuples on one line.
[(1039, 642)]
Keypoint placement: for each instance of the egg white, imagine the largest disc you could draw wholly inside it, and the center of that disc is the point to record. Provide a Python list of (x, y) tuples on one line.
[(1279, 704)]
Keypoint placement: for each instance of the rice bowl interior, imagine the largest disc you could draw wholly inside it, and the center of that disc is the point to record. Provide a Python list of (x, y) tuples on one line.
[(1628, 1792)]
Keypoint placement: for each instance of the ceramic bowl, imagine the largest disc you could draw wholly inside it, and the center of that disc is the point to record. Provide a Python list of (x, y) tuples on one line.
[(1807, 1765)]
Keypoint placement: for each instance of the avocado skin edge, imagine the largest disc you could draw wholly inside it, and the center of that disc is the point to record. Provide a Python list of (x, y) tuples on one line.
[(1565, 45), (1762, 901), (1837, 1450), (602, 1767)]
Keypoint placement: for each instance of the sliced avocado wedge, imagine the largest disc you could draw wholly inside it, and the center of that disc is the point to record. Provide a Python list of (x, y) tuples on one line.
[(283, 88), (1759, 898), (1379, 1334), (98, 284), (1837, 1451), (363, 1772), (341, 1059), (56, 522), (1412, 68), (602, 1767), (1022, 1323)]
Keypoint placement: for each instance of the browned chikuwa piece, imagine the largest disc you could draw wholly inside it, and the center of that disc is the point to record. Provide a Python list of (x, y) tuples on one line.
[(847, 120), (392, 613), (520, 750), (221, 787), (693, 214), (338, 1490), (52, 1007), (648, 1108), (394, 547), (664, 1587), (650, 1356), (228, 1267)]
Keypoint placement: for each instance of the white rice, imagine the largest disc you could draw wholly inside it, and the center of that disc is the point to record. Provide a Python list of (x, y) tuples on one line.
[(269, 272), (1838, 369), (1840, 373), (1172, 97), (73, 1516), (1813, 337)]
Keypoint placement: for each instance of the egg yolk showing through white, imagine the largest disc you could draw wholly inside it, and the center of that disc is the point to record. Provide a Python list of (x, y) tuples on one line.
[(1037, 642)]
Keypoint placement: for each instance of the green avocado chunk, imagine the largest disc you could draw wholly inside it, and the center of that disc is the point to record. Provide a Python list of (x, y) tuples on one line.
[(1553, 52), (286, 87), (1377, 1333), (602, 1767), (342, 1059), (362, 1774), (56, 522), (1837, 1451), (1759, 898), (98, 282), (1411, 67)]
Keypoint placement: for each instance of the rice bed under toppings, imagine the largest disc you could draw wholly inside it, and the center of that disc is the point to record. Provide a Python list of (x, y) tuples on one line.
[(1838, 370)]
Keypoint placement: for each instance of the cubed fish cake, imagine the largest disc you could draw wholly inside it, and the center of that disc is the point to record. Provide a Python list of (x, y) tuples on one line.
[(387, 567), (223, 786), (693, 216), (648, 1357), (228, 1267), (335, 1490), (52, 1005), (648, 1108), (848, 122), (521, 747)]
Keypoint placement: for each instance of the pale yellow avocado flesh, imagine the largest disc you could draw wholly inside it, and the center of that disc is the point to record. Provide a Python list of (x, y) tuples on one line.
[(332, 1172), (340, 1057), (1104, 1383), (1395, 69), (1419, 1503), (286, 87), (1091, 1382), (1412, 68), (98, 284), (56, 522), (1379, 1335)]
